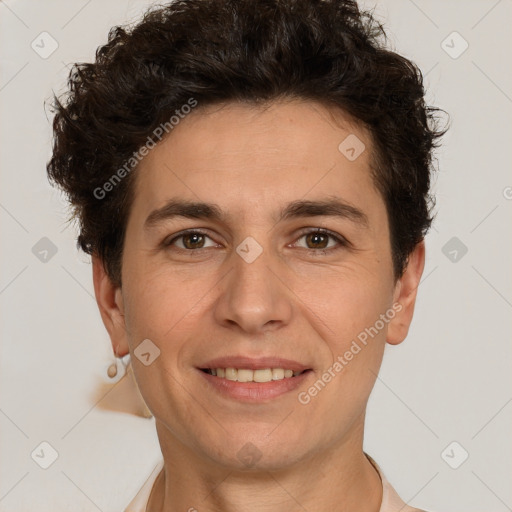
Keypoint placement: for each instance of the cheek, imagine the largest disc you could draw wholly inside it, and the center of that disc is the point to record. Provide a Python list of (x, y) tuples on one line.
[(345, 303), (164, 305), (348, 315)]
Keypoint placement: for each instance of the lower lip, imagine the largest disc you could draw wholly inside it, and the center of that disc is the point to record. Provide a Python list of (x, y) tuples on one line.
[(254, 391)]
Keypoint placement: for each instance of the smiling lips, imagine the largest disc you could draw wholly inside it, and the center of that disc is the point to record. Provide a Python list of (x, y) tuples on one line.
[(254, 378)]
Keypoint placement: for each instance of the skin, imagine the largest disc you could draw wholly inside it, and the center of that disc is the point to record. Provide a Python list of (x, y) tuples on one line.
[(291, 302)]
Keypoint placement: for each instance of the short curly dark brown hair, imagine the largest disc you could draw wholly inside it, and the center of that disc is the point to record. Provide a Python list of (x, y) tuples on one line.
[(254, 51)]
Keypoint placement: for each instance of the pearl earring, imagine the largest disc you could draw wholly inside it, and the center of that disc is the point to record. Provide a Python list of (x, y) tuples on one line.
[(118, 366)]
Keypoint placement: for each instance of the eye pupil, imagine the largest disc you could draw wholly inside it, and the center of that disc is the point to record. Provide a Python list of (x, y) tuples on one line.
[(315, 237), (194, 244)]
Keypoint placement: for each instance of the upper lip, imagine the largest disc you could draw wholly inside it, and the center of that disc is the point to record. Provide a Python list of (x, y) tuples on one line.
[(250, 363)]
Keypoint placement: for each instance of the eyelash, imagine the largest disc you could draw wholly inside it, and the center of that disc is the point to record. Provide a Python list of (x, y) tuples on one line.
[(343, 242)]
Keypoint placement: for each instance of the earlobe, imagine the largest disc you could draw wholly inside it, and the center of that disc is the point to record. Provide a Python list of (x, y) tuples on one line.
[(405, 295), (110, 303)]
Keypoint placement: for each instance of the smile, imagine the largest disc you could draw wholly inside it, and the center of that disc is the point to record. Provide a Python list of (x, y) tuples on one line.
[(253, 386), (247, 375)]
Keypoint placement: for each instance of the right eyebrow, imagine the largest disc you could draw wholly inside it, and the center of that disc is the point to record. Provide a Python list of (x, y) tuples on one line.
[(181, 208)]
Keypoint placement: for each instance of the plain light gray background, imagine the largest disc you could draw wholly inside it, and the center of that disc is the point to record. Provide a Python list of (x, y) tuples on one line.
[(449, 381)]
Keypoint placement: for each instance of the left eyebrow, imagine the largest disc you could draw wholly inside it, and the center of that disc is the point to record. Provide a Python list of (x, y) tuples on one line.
[(331, 207)]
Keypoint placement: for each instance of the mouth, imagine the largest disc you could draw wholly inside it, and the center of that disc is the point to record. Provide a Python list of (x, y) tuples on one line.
[(253, 380)]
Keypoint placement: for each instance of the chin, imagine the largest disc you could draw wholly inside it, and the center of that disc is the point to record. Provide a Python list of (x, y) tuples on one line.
[(253, 452)]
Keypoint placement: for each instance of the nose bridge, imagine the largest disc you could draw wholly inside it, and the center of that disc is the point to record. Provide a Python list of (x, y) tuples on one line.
[(253, 296)]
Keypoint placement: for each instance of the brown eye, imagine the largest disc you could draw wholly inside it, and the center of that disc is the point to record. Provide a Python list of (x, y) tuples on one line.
[(190, 241), (318, 240), (193, 240)]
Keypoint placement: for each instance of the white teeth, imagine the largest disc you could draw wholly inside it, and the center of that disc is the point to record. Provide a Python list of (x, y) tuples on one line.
[(231, 374), (262, 375), (277, 373), (246, 375)]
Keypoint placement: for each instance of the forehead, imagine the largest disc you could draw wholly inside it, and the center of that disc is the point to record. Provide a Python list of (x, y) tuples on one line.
[(250, 156)]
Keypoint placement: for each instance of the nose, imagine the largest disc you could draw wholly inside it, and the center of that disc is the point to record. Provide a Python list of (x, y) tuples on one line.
[(254, 296)]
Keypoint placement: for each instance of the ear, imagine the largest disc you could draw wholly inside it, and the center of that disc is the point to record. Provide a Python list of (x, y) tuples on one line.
[(405, 296), (110, 304)]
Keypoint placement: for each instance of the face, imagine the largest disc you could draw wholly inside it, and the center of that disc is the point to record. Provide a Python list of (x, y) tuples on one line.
[(286, 264)]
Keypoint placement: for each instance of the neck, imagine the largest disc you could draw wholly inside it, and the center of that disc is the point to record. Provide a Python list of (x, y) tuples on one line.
[(340, 479)]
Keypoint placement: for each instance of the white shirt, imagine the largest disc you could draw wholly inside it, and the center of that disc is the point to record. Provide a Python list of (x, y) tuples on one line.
[(391, 502)]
